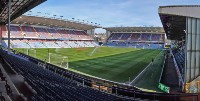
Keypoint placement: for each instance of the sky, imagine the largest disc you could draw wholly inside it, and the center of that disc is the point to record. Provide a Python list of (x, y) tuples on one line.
[(109, 13)]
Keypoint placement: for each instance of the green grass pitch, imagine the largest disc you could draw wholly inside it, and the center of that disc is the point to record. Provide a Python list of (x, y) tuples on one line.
[(116, 64)]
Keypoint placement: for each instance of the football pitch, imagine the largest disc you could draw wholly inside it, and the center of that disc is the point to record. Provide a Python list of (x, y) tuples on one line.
[(115, 64)]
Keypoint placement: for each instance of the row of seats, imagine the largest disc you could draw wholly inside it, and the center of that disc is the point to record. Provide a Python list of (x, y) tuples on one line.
[(44, 33), (51, 86), (135, 45), (48, 44), (137, 37), (179, 55), (7, 87)]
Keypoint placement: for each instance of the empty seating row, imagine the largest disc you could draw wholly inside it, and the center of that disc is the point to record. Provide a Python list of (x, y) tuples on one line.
[(179, 55), (135, 45), (51, 86), (48, 44), (43, 33), (136, 37)]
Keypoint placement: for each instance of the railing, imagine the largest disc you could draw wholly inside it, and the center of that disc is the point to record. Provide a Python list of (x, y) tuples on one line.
[(163, 67), (156, 96), (177, 69)]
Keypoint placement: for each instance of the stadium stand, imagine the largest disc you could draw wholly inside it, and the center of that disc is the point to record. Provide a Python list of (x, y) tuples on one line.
[(91, 43), (79, 35), (28, 32), (135, 37), (48, 44), (4, 32), (156, 37), (125, 36), (115, 36), (53, 33), (135, 45), (64, 34), (19, 43), (51, 86), (5, 43), (145, 37), (42, 33), (53, 83), (16, 32), (51, 44), (36, 44), (137, 40), (39, 37), (179, 55)]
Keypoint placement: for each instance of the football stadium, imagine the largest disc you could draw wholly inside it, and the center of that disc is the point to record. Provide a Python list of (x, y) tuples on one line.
[(45, 58)]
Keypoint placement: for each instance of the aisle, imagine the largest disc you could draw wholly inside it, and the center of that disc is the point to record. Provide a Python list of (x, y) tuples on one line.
[(170, 77)]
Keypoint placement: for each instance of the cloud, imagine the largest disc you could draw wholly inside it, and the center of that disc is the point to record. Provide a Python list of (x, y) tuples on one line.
[(110, 13)]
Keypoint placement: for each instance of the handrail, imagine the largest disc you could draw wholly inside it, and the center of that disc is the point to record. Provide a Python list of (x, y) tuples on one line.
[(176, 66), (162, 68)]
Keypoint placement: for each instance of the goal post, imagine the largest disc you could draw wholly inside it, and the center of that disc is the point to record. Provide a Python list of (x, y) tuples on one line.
[(64, 62), (28, 51), (58, 60), (32, 52)]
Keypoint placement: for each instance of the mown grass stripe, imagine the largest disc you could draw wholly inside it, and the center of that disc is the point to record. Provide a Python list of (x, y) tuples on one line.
[(115, 64)]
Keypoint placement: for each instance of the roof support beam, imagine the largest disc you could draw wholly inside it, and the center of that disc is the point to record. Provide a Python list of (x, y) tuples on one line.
[(9, 15)]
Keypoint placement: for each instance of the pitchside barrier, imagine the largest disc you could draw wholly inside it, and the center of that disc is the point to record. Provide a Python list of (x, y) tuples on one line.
[(156, 96), (162, 68), (32, 52), (161, 86), (113, 87)]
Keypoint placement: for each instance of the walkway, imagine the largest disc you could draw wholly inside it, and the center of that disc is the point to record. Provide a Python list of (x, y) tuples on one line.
[(170, 77)]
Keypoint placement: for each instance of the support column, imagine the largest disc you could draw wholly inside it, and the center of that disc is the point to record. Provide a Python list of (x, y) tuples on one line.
[(197, 71), (1, 35), (108, 33), (188, 48), (9, 15), (192, 69), (193, 48), (91, 32)]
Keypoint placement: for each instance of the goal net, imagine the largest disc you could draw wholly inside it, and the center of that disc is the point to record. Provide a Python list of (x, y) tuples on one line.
[(32, 52), (28, 51), (58, 60)]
